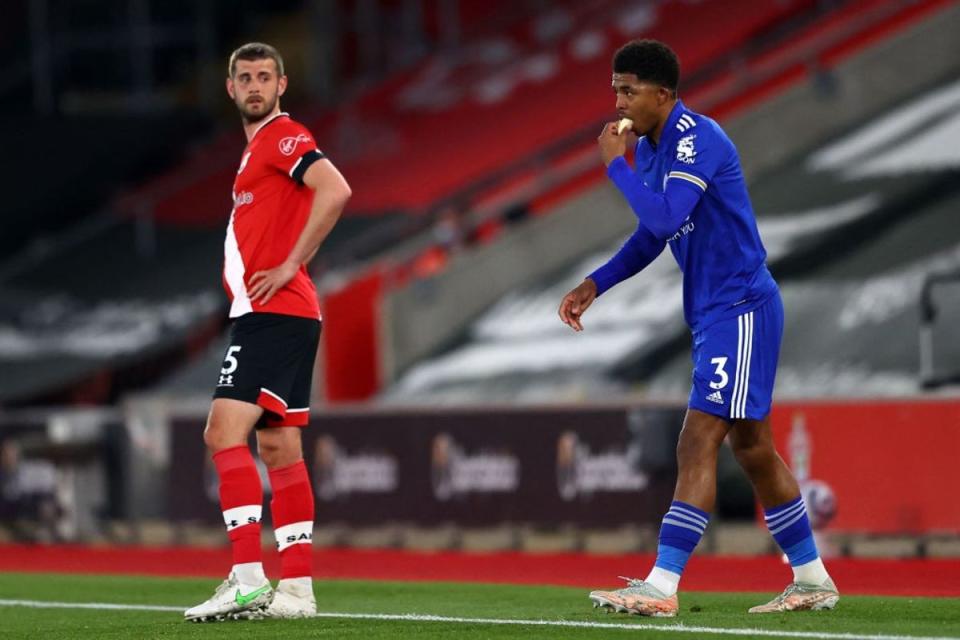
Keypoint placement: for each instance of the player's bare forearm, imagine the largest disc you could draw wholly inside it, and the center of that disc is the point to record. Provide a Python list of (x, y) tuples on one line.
[(324, 214), (331, 195)]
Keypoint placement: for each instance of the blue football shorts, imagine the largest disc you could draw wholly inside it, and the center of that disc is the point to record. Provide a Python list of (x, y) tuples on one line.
[(735, 363)]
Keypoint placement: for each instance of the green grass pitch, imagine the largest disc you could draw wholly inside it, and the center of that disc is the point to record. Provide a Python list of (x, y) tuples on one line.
[(471, 611)]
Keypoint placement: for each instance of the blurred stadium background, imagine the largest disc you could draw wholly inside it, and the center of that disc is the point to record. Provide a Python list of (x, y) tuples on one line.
[(453, 411)]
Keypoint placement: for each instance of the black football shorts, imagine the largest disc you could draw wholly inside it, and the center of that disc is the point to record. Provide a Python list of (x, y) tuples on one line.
[(269, 362)]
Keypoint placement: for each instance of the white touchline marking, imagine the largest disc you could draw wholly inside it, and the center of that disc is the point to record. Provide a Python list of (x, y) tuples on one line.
[(417, 617), (41, 604), (680, 627)]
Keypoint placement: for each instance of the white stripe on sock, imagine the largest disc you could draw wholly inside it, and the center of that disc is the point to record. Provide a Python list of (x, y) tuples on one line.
[(780, 527), (777, 518), (242, 516), (678, 523), (673, 513), (692, 514), (295, 533)]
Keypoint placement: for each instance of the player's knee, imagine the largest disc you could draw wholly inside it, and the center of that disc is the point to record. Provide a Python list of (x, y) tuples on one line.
[(276, 457), (278, 452), (753, 456), (217, 437), (212, 437), (692, 450), (685, 449), (270, 453)]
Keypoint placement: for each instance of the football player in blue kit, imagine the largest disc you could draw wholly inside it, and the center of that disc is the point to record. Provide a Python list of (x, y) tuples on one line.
[(687, 191)]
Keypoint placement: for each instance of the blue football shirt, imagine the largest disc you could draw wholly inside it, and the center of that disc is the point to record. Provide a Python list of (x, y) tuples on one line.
[(688, 192)]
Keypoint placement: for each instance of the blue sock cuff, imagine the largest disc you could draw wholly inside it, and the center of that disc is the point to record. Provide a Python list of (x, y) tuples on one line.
[(772, 511), (683, 526), (671, 558), (790, 527), (689, 507), (802, 552)]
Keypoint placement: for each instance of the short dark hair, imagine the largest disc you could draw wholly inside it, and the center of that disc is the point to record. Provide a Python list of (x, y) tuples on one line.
[(649, 60), (254, 51)]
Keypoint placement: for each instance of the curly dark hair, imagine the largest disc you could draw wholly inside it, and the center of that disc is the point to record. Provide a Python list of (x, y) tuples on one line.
[(649, 60)]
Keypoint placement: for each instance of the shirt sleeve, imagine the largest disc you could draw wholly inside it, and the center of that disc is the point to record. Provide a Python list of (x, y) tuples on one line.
[(294, 151), (637, 252), (689, 176), (697, 158)]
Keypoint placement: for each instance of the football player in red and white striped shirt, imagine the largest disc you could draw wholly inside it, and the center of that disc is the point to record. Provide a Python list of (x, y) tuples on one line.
[(286, 199)]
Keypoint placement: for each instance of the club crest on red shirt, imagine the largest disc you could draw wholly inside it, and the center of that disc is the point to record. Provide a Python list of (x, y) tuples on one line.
[(289, 144)]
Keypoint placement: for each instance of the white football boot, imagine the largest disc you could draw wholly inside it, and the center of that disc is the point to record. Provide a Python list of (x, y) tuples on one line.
[(639, 598), (232, 600), (292, 599), (802, 597)]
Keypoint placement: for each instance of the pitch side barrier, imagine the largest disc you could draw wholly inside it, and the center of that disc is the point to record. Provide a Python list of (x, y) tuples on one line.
[(929, 310), (890, 463), (600, 466), (595, 466)]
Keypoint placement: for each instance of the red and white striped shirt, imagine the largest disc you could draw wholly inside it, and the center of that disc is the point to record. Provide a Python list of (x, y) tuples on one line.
[(270, 208)]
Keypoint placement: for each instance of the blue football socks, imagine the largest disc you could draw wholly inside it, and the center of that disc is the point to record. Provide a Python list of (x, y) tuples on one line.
[(681, 530), (790, 527)]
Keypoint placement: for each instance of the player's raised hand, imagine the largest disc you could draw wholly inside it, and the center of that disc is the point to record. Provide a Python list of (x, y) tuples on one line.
[(264, 284), (576, 302), (611, 143)]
